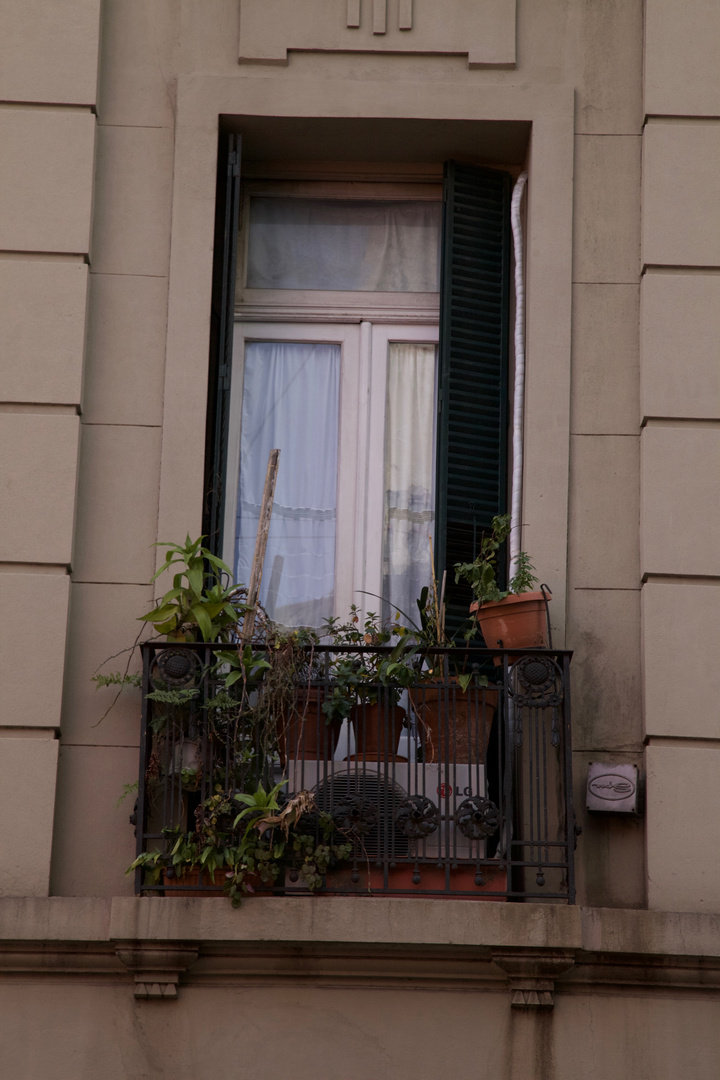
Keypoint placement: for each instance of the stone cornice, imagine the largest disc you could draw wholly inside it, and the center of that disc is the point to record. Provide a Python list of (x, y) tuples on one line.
[(534, 951)]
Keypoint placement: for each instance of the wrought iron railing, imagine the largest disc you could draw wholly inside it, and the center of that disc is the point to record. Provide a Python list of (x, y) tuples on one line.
[(428, 789)]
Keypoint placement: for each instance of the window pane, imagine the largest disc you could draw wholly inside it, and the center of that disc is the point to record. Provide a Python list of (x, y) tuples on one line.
[(290, 401), (409, 474), (344, 244)]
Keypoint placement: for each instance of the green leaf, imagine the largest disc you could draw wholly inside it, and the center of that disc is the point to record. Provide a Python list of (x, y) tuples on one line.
[(203, 620)]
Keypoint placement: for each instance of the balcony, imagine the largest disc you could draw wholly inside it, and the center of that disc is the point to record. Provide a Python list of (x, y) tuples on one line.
[(450, 782)]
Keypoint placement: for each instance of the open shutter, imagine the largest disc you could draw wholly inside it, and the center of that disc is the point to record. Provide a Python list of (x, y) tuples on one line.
[(473, 370), (221, 339)]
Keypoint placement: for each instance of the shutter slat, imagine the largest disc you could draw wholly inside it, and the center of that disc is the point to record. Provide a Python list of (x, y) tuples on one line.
[(221, 343), (474, 321)]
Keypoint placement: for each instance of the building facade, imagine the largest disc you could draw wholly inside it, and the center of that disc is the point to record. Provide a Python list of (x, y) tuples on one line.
[(114, 117)]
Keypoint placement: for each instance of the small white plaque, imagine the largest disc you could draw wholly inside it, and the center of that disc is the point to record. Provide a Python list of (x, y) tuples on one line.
[(612, 788)]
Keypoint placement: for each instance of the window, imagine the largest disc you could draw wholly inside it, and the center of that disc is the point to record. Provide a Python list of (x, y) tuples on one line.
[(384, 441)]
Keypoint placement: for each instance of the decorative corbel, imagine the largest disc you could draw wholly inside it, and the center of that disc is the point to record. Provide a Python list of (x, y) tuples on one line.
[(157, 970), (532, 974)]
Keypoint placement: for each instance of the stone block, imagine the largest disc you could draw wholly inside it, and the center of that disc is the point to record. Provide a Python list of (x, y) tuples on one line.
[(604, 516), (117, 504), (38, 452), (103, 623), (125, 363), (133, 197), (679, 331), (610, 853), (32, 648), (608, 65), (605, 370), (49, 52), (486, 33), (94, 842), (42, 331), (28, 768), (604, 632), (681, 194), (682, 76), (680, 508), (46, 176), (683, 828), (606, 241), (681, 643)]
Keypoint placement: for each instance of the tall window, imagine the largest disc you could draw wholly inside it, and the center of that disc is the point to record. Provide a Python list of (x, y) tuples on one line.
[(386, 446)]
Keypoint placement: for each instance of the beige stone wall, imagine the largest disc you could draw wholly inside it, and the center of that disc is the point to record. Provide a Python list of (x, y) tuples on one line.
[(353, 987), (117, 240), (680, 409), (48, 79)]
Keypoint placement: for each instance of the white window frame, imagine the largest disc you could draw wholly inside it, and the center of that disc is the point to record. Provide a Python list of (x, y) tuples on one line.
[(363, 386)]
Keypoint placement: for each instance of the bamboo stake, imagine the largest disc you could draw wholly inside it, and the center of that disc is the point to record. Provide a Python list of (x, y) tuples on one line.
[(260, 545)]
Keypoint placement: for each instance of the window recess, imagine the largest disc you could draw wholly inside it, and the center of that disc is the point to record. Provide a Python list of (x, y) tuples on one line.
[(352, 274)]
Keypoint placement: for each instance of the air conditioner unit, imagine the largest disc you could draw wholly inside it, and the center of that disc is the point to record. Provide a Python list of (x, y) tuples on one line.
[(409, 807)]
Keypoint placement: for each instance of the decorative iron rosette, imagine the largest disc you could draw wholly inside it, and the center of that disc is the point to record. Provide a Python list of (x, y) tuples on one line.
[(477, 818), (537, 682), (417, 817), (354, 815), (175, 668)]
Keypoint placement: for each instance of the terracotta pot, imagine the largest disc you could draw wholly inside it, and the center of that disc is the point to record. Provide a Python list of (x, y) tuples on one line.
[(468, 718), (192, 877), (400, 880), (303, 733), (372, 740), (519, 622)]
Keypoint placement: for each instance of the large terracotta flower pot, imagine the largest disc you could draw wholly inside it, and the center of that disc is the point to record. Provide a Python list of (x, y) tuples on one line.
[(467, 719), (303, 732), (377, 728), (517, 622)]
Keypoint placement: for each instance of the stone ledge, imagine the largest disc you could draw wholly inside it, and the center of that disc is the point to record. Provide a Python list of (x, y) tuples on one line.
[(357, 922)]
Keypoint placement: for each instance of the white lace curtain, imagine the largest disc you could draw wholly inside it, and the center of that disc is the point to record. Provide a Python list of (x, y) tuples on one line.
[(409, 474), (344, 244), (290, 401)]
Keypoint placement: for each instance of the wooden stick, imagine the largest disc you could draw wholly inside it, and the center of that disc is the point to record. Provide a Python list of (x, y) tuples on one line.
[(260, 545)]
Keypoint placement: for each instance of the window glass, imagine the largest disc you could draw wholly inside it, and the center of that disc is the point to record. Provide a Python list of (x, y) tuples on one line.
[(290, 401), (344, 245)]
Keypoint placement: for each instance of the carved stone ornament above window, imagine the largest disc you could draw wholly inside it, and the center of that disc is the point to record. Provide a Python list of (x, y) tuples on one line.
[(482, 30)]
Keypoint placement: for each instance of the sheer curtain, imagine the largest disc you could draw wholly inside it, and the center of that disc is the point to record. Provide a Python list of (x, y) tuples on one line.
[(409, 474), (344, 244), (290, 401)]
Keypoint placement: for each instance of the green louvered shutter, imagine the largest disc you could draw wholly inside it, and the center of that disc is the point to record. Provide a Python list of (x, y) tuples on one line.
[(221, 339), (473, 370)]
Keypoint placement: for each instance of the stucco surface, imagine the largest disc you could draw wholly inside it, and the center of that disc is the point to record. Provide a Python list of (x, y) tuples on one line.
[(681, 70), (49, 52), (125, 349), (42, 330), (682, 786), (46, 209), (32, 674), (38, 451), (26, 839), (681, 193), (682, 620), (680, 486), (679, 330)]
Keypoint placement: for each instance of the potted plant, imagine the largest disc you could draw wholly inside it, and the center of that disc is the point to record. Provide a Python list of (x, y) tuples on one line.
[(453, 706), (247, 850), (366, 686), (513, 618)]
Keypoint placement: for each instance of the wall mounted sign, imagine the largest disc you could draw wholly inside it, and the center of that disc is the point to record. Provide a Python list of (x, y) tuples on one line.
[(482, 30), (612, 788)]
